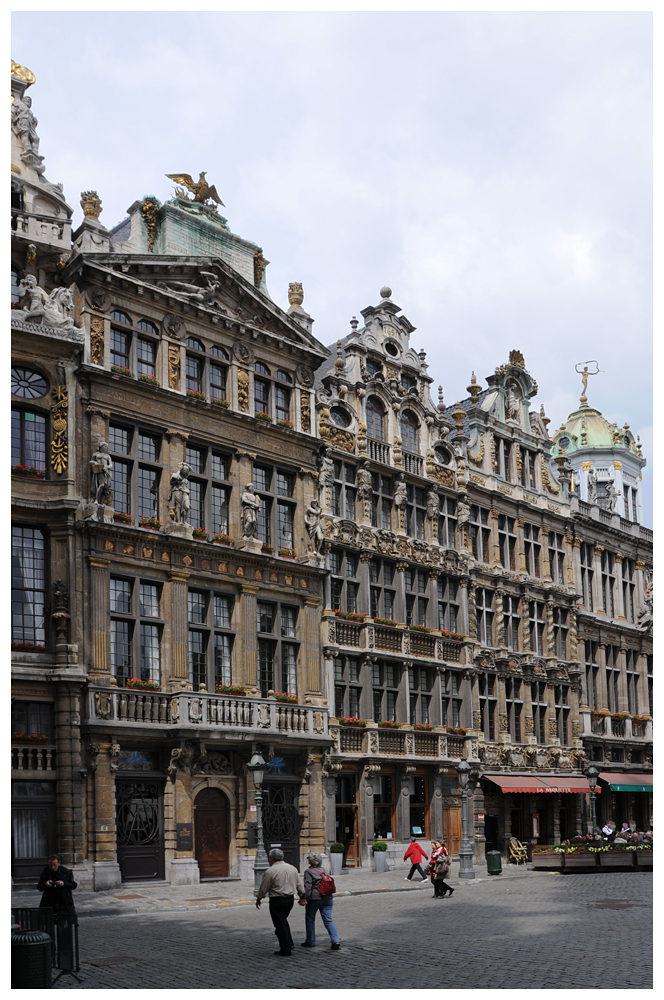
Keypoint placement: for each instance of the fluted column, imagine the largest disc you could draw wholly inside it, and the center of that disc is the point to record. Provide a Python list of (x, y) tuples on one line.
[(100, 669), (310, 657), (177, 677), (245, 666)]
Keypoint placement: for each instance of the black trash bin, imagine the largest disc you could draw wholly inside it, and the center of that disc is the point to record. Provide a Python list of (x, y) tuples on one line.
[(494, 864), (31, 960)]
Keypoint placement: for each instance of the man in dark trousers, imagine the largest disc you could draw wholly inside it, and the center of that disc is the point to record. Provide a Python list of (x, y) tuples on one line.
[(281, 882), (415, 851), (56, 884)]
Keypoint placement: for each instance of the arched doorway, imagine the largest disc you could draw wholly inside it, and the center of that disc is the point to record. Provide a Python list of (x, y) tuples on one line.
[(211, 827)]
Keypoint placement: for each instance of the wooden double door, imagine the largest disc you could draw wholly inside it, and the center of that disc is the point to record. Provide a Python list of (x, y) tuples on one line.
[(212, 833)]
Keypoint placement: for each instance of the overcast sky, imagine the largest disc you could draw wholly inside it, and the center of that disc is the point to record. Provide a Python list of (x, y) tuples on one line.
[(493, 168)]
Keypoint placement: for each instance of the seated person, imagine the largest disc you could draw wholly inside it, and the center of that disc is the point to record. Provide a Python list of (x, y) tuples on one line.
[(577, 838)]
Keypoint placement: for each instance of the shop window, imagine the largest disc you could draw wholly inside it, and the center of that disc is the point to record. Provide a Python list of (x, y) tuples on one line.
[(383, 799), (417, 788)]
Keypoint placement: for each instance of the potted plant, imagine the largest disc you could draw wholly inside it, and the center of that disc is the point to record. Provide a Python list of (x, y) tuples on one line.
[(389, 724), (267, 549), (230, 689), (264, 416), (286, 423), (195, 394), (641, 718), (349, 616), (599, 713), (423, 727), (222, 539), (379, 847), (385, 621), (141, 685), (548, 856), (121, 370), (336, 858), (621, 716), (220, 402), (291, 699), (28, 472), (201, 534), (419, 628), (27, 647), (578, 856), (150, 379), (454, 636), (352, 720), (456, 730), (123, 518), (287, 553)]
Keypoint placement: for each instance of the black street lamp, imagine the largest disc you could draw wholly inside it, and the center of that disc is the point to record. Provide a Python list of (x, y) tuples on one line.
[(592, 775), (257, 767), (466, 870)]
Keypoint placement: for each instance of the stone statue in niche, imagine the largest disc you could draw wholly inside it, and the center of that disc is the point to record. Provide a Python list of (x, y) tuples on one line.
[(400, 491), (178, 495), (313, 525), (645, 615), (250, 507), (25, 124), (325, 472), (592, 486), (101, 465), (511, 404), (611, 496), (432, 504), (364, 481)]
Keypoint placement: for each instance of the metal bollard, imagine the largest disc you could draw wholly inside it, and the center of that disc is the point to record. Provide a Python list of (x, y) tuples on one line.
[(31, 960)]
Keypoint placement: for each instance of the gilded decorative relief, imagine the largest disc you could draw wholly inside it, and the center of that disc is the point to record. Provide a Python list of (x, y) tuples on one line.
[(97, 339), (173, 366), (305, 411), (243, 388), (59, 424)]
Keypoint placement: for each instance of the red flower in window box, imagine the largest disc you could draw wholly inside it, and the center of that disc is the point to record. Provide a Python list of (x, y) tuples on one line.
[(141, 685), (419, 628), (641, 718), (150, 522), (195, 394), (27, 647), (456, 730), (221, 402), (287, 553), (201, 534), (388, 724), (349, 616), (352, 720), (454, 636), (28, 472), (230, 689), (425, 727), (29, 738), (150, 379), (600, 713), (122, 517), (283, 696), (621, 716), (121, 370), (386, 621), (286, 423), (264, 416), (222, 539), (267, 549)]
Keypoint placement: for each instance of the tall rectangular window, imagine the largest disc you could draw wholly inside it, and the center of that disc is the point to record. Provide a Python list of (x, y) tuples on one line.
[(511, 621), (420, 680), (448, 603), (557, 557), (480, 534), (28, 585), (451, 681), (121, 484), (484, 613), (347, 692), (146, 357), (539, 706), (528, 468), (344, 490), (628, 588), (210, 639), (148, 491), (385, 681), (447, 522), (488, 704), (194, 373), (381, 594), (150, 652), (217, 382), (608, 581), (278, 648), (532, 548), (592, 671), (612, 655), (121, 659), (562, 712), (631, 656), (514, 706), (415, 511), (507, 541), (415, 582), (560, 631), (536, 623), (135, 484), (120, 348), (381, 501), (586, 553), (28, 439), (501, 458)]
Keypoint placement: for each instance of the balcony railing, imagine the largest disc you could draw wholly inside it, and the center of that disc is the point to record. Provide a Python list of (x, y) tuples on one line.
[(379, 452), (397, 743), (33, 758), (639, 730), (412, 463), (42, 227), (204, 710), (617, 727), (597, 726), (391, 639)]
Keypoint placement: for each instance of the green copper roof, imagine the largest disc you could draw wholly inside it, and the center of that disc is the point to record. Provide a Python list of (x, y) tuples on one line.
[(586, 428)]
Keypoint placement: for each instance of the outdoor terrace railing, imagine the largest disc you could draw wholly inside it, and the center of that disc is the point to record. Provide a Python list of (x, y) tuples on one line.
[(379, 452), (33, 758), (392, 639), (396, 743)]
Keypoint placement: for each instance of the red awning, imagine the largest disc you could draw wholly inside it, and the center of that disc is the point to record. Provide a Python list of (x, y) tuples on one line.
[(632, 782), (537, 783)]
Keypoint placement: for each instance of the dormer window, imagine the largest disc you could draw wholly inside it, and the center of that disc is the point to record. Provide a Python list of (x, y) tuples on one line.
[(375, 419), (374, 367), (408, 382), (409, 431)]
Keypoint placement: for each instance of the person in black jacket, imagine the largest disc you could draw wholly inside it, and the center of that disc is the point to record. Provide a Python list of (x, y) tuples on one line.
[(56, 884)]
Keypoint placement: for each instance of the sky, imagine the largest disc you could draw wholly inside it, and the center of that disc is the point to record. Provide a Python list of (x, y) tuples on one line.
[(494, 169)]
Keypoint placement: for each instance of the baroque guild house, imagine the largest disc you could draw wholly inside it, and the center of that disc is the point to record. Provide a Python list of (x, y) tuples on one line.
[(227, 537)]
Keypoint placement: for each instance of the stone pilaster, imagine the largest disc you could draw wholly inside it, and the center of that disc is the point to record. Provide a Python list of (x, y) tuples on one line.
[(106, 868), (310, 657), (71, 818), (100, 669), (177, 678), (245, 665)]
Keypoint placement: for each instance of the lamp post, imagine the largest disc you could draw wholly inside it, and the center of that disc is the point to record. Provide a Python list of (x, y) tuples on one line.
[(466, 850), (257, 767), (592, 775)]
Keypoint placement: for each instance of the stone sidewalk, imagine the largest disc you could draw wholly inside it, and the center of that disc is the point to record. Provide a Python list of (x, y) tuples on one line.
[(133, 898)]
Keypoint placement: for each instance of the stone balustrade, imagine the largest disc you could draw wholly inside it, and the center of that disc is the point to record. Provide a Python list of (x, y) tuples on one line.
[(202, 710), (33, 758), (42, 228), (397, 743), (400, 640)]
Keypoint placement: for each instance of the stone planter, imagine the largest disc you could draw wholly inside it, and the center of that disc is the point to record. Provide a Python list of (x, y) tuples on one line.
[(336, 863), (580, 861), (380, 859), (547, 860), (619, 859), (643, 859)]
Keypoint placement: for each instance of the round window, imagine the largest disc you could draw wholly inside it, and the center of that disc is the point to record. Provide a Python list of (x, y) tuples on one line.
[(392, 349), (339, 417), (28, 384), (442, 456), (563, 443)]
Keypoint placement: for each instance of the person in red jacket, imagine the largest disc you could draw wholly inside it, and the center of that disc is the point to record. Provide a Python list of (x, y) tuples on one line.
[(415, 852)]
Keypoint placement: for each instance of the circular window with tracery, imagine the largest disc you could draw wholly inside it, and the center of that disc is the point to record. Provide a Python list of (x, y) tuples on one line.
[(28, 384)]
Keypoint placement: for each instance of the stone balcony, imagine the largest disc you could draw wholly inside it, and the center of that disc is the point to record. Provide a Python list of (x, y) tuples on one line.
[(239, 717), (399, 640), (42, 228), (34, 758), (373, 741), (622, 729)]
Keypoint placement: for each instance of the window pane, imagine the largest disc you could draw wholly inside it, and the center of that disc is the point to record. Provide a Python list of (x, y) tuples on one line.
[(196, 500), (285, 525), (195, 457), (146, 355), (219, 467), (261, 396), (150, 653), (284, 485), (121, 595), (118, 440), (120, 480), (28, 585), (223, 607), (194, 374), (197, 606), (147, 447), (148, 486), (29, 439), (223, 673), (265, 617), (149, 600), (121, 649), (265, 666), (198, 659), (217, 382), (262, 478), (219, 509), (120, 343), (264, 530), (288, 619), (289, 668)]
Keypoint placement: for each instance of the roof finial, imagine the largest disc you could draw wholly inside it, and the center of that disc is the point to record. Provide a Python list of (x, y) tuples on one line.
[(354, 324), (584, 378), (441, 404), (339, 363), (545, 420), (474, 389)]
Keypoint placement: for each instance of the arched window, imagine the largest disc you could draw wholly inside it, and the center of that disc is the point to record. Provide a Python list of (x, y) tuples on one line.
[(261, 368), (283, 376), (28, 384), (147, 326), (442, 455), (219, 352), (409, 429), (120, 317), (375, 419), (195, 344)]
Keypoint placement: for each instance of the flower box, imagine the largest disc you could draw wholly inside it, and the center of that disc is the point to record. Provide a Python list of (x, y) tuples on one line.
[(27, 647), (120, 370), (195, 394), (455, 730), (454, 636), (140, 685), (388, 724), (123, 518), (28, 472), (150, 379), (620, 716), (150, 522), (267, 549), (643, 859), (220, 402), (287, 553), (291, 699), (422, 727), (389, 622), (350, 616), (230, 689), (222, 539), (579, 859), (600, 712), (352, 721), (264, 416), (286, 423), (419, 628), (641, 718), (547, 860), (615, 859), (29, 738), (201, 534)]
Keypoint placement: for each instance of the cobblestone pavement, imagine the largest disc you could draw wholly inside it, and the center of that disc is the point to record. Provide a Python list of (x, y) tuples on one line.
[(544, 931)]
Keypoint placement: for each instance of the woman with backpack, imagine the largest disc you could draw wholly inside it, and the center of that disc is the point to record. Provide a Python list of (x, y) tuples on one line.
[(440, 860), (318, 896)]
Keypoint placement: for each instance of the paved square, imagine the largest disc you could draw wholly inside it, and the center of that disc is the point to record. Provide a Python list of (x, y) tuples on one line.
[(542, 932)]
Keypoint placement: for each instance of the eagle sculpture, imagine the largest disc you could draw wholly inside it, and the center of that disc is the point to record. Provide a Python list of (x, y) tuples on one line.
[(201, 190)]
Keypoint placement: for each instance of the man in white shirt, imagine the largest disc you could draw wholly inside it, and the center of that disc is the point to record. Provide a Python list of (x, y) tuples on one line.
[(281, 882)]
